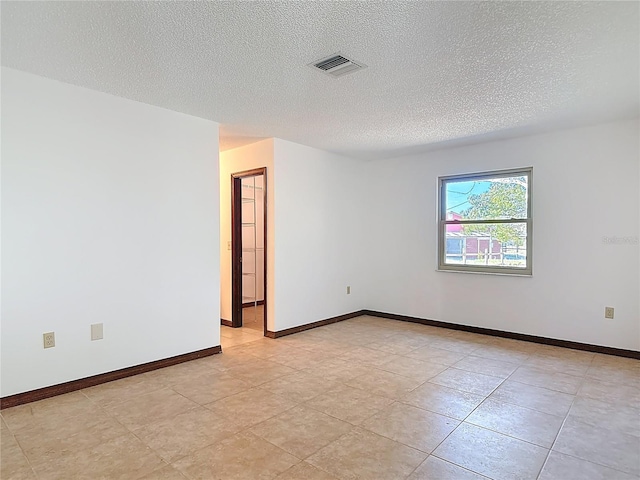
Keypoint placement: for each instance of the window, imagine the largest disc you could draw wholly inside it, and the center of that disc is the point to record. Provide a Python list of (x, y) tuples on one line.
[(485, 222)]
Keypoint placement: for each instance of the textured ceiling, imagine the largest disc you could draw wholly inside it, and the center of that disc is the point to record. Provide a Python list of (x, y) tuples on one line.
[(438, 72)]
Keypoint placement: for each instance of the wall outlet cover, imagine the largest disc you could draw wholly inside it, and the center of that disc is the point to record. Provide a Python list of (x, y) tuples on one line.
[(96, 331), (49, 339), (608, 312)]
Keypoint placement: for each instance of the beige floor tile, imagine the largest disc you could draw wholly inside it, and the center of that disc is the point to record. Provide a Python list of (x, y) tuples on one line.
[(408, 340), (235, 357), (564, 467), (492, 454), (252, 406), (258, 373), (615, 361), (615, 374), (536, 398), (486, 366), (44, 441), (606, 415), (54, 409), (604, 447), (349, 404), (518, 422), (243, 456), (209, 388), (509, 354), (539, 377), (301, 431), (143, 410), (305, 471), (561, 353), (364, 455), (228, 342), (509, 345), (13, 462), (434, 468), (270, 348), (609, 392), (187, 432), (300, 359), (443, 400), (344, 373), (199, 412), (391, 347), (471, 382), (367, 356), (117, 391), (550, 364), (385, 384), (167, 376), (123, 458), (436, 355), (412, 368), (165, 473), (300, 386), (456, 345), (411, 426)]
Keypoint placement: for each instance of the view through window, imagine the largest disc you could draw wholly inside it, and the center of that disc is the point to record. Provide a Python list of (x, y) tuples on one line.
[(486, 223)]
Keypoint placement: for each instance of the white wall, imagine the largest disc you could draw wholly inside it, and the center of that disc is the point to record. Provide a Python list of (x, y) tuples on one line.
[(110, 214), (320, 234), (255, 155), (586, 187)]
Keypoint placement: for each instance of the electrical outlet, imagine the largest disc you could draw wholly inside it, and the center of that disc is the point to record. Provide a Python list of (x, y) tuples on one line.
[(49, 339), (348, 290), (608, 312), (96, 331), (229, 245)]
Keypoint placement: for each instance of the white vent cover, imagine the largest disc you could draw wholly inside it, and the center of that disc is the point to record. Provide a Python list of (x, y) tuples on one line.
[(337, 65)]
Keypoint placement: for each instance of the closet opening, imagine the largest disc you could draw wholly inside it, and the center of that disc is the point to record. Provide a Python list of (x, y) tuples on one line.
[(248, 249)]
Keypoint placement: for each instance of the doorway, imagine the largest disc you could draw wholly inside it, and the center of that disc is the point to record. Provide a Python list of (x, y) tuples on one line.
[(248, 249)]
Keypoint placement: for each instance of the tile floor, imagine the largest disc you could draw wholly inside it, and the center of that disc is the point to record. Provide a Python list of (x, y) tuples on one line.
[(367, 398), (253, 318)]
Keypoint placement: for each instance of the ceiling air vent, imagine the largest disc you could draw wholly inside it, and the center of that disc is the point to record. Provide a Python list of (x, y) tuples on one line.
[(337, 65)]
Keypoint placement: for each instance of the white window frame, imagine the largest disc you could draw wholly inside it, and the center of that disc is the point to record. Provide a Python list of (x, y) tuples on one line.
[(443, 222)]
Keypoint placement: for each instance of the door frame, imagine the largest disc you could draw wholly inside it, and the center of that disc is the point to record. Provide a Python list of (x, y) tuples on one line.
[(236, 243)]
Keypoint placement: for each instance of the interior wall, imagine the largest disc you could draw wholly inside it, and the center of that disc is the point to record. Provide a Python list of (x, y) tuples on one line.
[(110, 212), (586, 199), (321, 234), (248, 157)]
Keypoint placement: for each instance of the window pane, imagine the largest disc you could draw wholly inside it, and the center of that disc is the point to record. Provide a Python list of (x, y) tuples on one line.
[(496, 198), (496, 245)]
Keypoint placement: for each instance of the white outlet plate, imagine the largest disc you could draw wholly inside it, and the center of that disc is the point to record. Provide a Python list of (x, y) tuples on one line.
[(96, 331), (49, 339), (608, 312)]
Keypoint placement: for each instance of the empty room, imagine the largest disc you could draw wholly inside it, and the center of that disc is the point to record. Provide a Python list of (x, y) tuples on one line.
[(320, 240)]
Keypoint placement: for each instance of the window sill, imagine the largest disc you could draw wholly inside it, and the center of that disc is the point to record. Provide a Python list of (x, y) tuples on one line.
[(473, 272)]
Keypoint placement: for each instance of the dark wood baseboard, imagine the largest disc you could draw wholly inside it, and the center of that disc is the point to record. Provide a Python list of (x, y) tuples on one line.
[(226, 323), (72, 386), (620, 352), (319, 323), (250, 304)]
